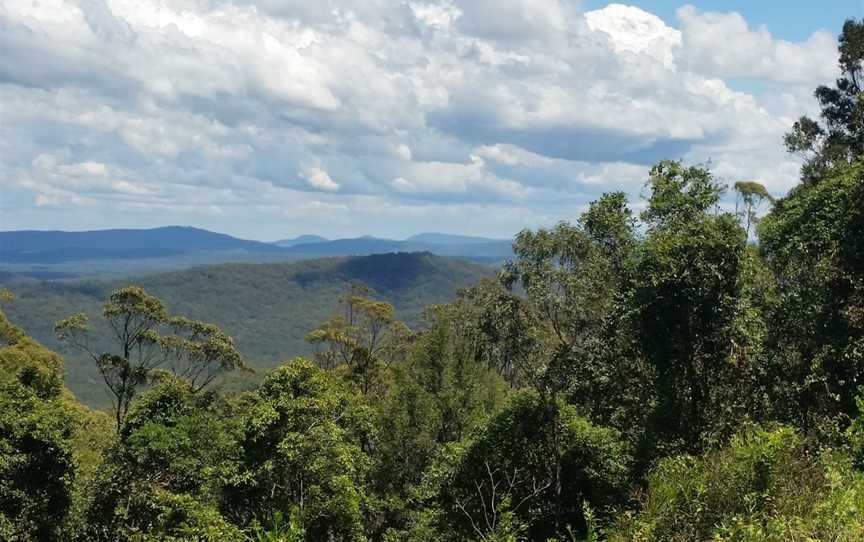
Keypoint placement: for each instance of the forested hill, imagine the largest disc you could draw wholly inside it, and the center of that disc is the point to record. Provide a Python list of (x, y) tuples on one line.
[(267, 308), (121, 253)]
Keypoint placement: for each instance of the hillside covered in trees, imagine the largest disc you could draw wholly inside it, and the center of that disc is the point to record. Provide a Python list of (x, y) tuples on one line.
[(626, 377), (267, 308)]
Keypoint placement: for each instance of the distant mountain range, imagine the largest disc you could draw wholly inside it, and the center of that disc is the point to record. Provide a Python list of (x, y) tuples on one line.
[(45, 255), (300, 240), (61, 246), (478, 250), (450, 239)]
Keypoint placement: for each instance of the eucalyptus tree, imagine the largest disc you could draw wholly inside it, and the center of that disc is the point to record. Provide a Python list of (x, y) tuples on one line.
[(134, 318), (365, 337), (302, 450), (838, 137), (565, 276), (142, 337), (198, 352), (813, 240), (505, 483), (168, 472), (749, 197), (569, 284), (502, 331)]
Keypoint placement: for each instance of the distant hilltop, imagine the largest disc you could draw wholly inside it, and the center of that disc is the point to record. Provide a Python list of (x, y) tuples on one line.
[(52, 254)]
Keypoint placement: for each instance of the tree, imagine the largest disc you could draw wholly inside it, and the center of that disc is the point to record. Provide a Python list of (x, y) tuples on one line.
[(610, 223), (566, 278), (198, 352), (134, 317), (176, 453), (37, 428), (507, 476), (363, 338), (36, 463), (839, 138), (750, 196), (765, 484), (302, 449), (687, 297), (159, 516), (441, 395), (812, 241), (144, 337), (502, 331)]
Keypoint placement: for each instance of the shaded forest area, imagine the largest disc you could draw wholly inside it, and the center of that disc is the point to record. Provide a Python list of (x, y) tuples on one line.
[(625, 378)]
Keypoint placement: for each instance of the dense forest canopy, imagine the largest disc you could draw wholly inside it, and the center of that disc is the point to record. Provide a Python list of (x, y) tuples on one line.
[(266, 309), (626, 377)]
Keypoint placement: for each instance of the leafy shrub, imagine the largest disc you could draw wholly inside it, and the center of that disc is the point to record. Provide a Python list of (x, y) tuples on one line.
[(766, 485)]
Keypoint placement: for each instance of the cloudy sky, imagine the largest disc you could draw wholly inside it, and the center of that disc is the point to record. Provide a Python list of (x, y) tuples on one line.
[(270, 118)]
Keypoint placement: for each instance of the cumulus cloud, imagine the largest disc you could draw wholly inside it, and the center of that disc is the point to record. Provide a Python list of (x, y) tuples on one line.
[(724, 45), (258, 112), (634, 31), (319, 179)]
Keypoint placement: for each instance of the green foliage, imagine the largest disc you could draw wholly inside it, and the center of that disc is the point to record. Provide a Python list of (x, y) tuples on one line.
[(267, 309), (564, 277), (198, 352), (280, 529), (133, 316), (610, 223), (195, 351), (571, 324), (444, 364), (812, 241), (37, 426), (441, 395), (503, 332), (365, 338), (176, 447), (839, 139), (766, 485), (754, 190), (36, 462), (302, 449), (162, 516), (687, 296), (531, 468), (679, 195), (750, 196)]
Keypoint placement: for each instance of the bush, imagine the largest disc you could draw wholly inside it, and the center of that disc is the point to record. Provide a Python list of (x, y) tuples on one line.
[(766, 485)]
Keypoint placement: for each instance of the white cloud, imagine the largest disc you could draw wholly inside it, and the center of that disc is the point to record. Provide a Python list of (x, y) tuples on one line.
[(511, 155), (724, 45), (634, 31), (436, 16), (144, 106), (319, 179)]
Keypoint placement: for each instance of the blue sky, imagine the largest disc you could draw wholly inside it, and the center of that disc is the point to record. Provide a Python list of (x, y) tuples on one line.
[(267, 119), (789, 20)]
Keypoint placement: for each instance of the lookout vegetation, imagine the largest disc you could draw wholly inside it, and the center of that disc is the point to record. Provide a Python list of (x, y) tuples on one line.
[(681, 374)]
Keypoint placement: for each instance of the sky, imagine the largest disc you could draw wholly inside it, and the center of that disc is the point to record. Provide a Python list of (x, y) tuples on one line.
[(266, 119)]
